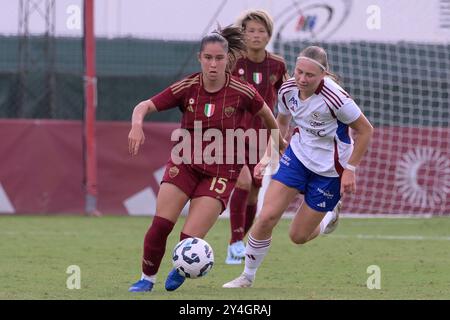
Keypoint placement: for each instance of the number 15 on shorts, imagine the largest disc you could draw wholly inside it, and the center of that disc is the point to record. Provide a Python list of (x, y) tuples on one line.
[(218, 185)]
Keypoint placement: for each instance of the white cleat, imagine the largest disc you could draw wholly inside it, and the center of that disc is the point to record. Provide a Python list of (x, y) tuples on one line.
[(334, 223), (240, 282)]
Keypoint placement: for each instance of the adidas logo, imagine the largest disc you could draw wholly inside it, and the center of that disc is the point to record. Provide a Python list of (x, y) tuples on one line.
[(322, 204)]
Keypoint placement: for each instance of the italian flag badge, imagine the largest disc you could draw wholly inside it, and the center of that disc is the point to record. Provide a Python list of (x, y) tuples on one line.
[(209, 109), (257, 77)]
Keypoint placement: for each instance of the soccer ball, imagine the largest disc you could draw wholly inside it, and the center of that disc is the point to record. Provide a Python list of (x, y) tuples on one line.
[(193, 258)]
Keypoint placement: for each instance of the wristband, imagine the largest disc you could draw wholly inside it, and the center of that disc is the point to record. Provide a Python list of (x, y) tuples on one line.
[(350, 167)]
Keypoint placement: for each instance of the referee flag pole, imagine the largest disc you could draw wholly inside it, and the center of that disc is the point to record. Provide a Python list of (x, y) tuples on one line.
[(90, 106)]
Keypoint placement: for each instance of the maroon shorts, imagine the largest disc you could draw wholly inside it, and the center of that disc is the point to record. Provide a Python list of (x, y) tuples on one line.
[(196, 184)]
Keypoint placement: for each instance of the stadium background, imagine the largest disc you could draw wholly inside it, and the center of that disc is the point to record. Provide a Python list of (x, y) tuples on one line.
[(396, 68)]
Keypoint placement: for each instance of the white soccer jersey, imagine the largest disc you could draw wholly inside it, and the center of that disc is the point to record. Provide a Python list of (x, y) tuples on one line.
[(321, 141)]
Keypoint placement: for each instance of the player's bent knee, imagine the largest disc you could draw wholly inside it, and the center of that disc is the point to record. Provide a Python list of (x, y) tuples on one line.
[(298, 239), (244, 183), (266, 223)]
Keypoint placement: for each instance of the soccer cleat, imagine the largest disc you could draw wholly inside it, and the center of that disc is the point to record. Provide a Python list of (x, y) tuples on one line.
[(332, 225), (232, 260), (141, 286), (236, 253), (240, 282), (174, 280)]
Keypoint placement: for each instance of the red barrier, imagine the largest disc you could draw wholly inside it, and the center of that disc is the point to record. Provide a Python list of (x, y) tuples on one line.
[(407, 170), (42, 165)]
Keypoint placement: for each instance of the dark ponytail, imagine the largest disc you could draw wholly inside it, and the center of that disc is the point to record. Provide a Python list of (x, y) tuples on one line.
[(232, 39)]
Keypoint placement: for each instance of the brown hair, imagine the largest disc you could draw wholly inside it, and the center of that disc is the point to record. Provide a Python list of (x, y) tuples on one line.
[(320, 55), (232, 40), (260, 16)]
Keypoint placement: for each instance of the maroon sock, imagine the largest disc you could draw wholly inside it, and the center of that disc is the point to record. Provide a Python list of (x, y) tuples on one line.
[(155, 244), (184, 236), (238, 203), (249, 217)]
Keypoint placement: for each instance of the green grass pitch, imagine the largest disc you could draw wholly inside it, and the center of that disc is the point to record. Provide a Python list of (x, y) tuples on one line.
[(413, 256)]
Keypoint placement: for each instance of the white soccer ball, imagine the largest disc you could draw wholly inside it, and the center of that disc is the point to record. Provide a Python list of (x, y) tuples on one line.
[(193, 258)]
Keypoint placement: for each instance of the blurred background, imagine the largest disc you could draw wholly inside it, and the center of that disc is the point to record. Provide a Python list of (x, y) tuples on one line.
[(63, 150)]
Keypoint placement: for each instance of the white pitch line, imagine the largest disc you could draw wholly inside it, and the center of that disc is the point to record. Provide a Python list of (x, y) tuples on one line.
[(389, 237)]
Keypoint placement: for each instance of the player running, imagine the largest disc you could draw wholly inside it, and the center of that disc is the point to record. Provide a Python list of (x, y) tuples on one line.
[(216, 100), (320, 161)]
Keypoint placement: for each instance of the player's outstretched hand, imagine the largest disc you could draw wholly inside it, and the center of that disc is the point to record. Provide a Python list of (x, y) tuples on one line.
[(136, 137)]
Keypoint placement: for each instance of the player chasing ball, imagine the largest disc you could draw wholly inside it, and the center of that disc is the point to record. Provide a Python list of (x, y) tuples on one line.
[(320, 161), (216, 100), (266, 72)]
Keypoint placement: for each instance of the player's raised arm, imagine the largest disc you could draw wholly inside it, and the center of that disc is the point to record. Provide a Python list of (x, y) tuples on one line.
[(136, 136)]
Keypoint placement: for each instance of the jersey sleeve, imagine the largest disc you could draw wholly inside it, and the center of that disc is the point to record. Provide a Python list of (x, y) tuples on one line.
[(279, 68), (167, 99), (282, 107), (256, 103), (349, 112), (344, 107), (284, 77)]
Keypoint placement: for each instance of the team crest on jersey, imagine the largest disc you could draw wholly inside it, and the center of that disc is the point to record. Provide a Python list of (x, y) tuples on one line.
[(209, 109), (294, 102), (273, 79), (257, 77), (173, 172), (241, 71), (316, 115), (229, 111)]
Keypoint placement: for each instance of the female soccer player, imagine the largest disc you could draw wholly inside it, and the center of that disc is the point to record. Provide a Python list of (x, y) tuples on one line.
[(320, 161), (215, 100), (266, 72)]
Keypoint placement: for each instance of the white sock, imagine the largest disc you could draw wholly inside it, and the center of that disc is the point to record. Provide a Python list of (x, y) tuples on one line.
[(326, 220), (255, 251), (149, 278)]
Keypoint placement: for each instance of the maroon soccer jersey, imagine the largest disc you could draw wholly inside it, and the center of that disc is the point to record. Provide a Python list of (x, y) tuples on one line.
[(222, 110), (267, 78)]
